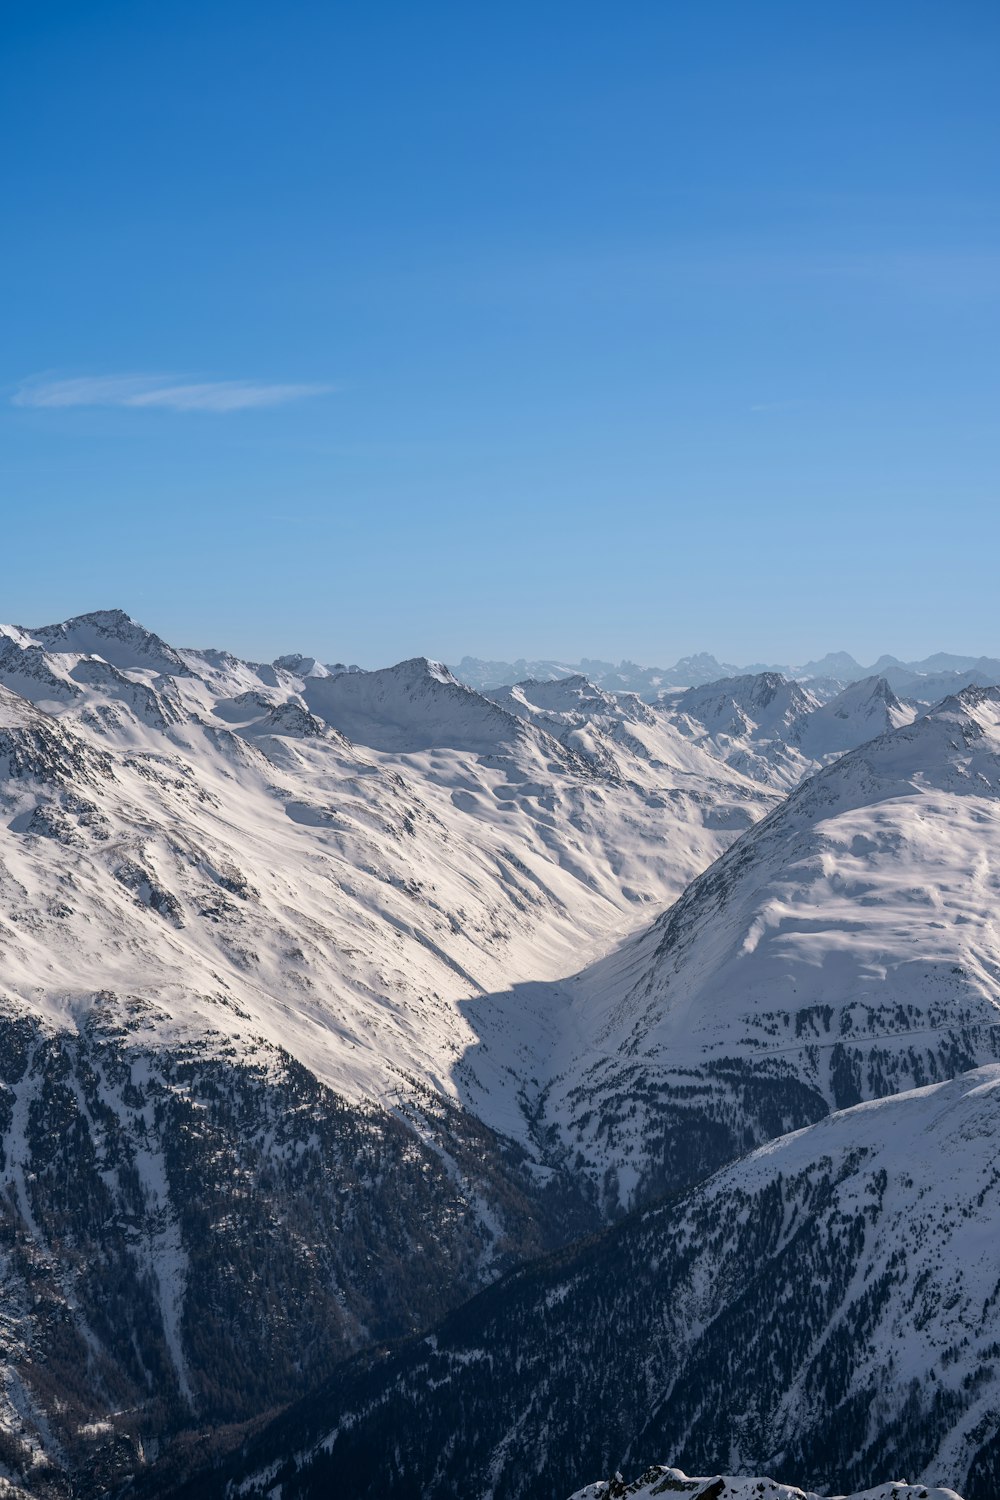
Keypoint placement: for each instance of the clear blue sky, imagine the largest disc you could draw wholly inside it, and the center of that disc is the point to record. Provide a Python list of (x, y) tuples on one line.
[(370, 329)]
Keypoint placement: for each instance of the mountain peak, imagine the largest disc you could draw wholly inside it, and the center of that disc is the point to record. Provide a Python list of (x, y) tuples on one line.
[(115, 636), (839, 664), (418, 667), (417, 704), (300, 666)]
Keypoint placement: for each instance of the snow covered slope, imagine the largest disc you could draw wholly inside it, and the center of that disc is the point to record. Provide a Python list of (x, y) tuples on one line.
[(199, 830), (751, 723), (661, 1480), (846, 947), (616, 733), (778, 732), (237, 948), (861, 712), (825, 1310), (292, 1057)]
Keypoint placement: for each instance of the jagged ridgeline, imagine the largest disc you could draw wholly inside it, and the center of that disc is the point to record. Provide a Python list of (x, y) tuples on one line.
[(276, 1007), (328, 996)]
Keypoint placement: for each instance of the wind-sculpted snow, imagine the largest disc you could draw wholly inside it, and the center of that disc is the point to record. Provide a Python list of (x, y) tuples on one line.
[(845, 948), (662, 1480), (825, 1311)]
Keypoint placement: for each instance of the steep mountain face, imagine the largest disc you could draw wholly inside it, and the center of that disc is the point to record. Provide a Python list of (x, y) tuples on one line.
[(621, 737), (193, 1237), (272, 1002), (417, 705), (753, 724), (660, 1480), (211, 841), (778, 732), (328, 996), (113, 636), (843, 949), (860, 713), (824, 1310)]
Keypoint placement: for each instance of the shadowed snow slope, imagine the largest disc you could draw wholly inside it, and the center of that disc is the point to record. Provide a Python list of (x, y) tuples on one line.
[(825, 1310), (417, 705)]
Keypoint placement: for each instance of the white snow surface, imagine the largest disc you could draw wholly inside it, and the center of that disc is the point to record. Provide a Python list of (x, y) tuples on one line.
[(405, 882), (779, 731), (667, 1481), (862, 912), (928, 1158), (384, 873)]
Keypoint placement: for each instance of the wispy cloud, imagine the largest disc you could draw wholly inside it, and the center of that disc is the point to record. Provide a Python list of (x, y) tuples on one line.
[(164, 391)]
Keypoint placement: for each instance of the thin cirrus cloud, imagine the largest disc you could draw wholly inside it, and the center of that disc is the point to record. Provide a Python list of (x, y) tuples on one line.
[(166, 392)]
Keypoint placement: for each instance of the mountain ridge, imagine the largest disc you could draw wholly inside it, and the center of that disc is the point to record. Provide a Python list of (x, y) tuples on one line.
[(498, 966)]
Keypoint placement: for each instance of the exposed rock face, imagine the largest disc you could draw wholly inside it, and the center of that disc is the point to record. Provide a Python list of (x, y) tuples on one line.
[(194, 1239), (826, 1310)]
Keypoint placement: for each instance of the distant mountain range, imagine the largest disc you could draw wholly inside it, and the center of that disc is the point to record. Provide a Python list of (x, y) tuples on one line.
[(922, 681)]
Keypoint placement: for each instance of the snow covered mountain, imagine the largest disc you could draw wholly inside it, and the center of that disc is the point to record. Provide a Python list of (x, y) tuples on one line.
[(844, 948), (824, 1310), (778, 731), (865, 709), (237, 945), (328, 996), (753, 724), (923, 681), (625, 677), (661, 1480), (241, 861)]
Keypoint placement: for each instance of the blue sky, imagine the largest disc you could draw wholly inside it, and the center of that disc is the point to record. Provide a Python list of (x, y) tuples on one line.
[(535, 329)]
